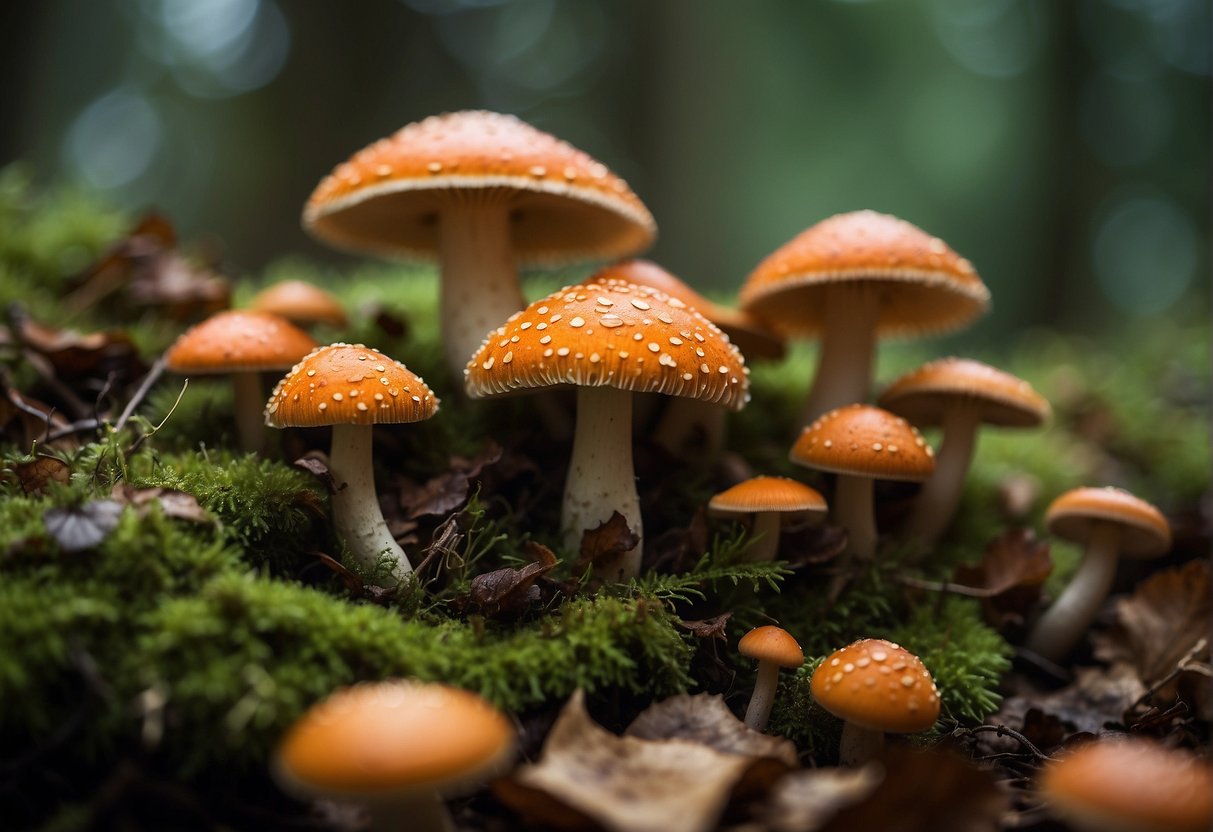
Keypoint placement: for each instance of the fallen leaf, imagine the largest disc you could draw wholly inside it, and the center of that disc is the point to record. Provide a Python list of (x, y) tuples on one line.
[(706, 719), (73, 354), (1098, 697), (179, 505), (1161, 623), (804, 801), (448, 491), (36, 475), (318, 467), (622, 783), (606, 544), (76, 529), (1011, 573), (505, 592), (24, 421), (708, 627)]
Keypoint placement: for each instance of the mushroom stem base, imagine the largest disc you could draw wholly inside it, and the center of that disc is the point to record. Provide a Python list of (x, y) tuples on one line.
[(859, 745), (356, 513), (248, 403), (424, 812), (601, 480), (1064, 623)]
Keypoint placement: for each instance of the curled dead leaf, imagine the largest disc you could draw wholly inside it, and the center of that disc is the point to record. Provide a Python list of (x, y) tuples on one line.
[(622, 783), (805, 801), (1010, 576), (179, 505), (37, 474), (708, 627), (706, 719), (606, 544)]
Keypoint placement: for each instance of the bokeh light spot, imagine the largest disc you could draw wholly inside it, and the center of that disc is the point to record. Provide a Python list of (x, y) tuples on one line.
[(114, 139), (1145, 254)]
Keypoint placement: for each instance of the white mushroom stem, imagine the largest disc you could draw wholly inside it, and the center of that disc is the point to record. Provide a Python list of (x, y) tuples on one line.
[(691, 428), (759, 711), (423, 812), (1063, 624), (479, 277), (937, 502), (356, 513), (248, 408), (764, 537), (848, 345), (852, 509), (601, 480), (859, 745)]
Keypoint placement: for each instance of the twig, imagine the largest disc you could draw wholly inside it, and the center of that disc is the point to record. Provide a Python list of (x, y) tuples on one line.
[(153, 374), (1003, 731), (947, 586)]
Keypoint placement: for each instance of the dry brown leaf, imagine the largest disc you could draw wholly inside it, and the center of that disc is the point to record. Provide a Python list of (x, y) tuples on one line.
[(316, 464), (1161, 623), (505, 592), (449, 490), (73, 354), (24, 421), (1097, 697), (36, 475), (180, 505), (606, 543), (621, 783), (804, 801), (706, 719), (1012, 570), (708, 627)]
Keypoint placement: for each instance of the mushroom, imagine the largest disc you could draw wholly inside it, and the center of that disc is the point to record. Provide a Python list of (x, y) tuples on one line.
[(395, 747), (689, 428), (770, 500), (960, 395), (353, 388), (484, 192), (1111, 523), (608, 339), (241, 344), (853, 278), (875, 687), (301, 303), (1129, 785), (860, 444), (772, 647)]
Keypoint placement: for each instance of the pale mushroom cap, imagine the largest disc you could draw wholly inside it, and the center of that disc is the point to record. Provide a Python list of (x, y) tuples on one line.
[(771, 644), (349, 384), (865, 441), (1145, 533), (924, 285), (749, 335), (877, 685), (563, 204), (239, 341), (611, 333), (377, 740), (301, 302), (924, 396), (1130, 785), (759, 494)]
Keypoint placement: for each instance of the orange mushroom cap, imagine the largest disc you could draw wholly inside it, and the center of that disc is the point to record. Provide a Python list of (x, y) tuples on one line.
[(564, 204), (759, 494), (239, 341), (392, 738), (349, 384), (925, 285), (877, 685), (925, 395), (1130, 785), (301, 302), (771, 644), (865, 441), (611, 333), (1145, 533)]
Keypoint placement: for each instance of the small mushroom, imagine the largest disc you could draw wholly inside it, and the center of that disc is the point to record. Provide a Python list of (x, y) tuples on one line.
[(960, 395), (770, 500), (242, 344), (395, 747), (608, 339), (483, 192), (861, 444), (1129, 785), (1111, 523), (301, 303), (773, 647), (856, 277), (875, 687), (353, 388)]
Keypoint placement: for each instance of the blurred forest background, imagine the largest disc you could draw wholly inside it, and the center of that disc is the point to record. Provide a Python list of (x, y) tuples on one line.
[(1062, 146)]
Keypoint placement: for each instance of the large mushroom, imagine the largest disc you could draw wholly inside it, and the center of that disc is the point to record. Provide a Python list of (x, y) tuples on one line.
[(353, 388), (689, 428), (1113, 524), (861, 444), (960, 395), (242, 344), (608, 339), (396, 748), (483, 192), (856, 277)]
